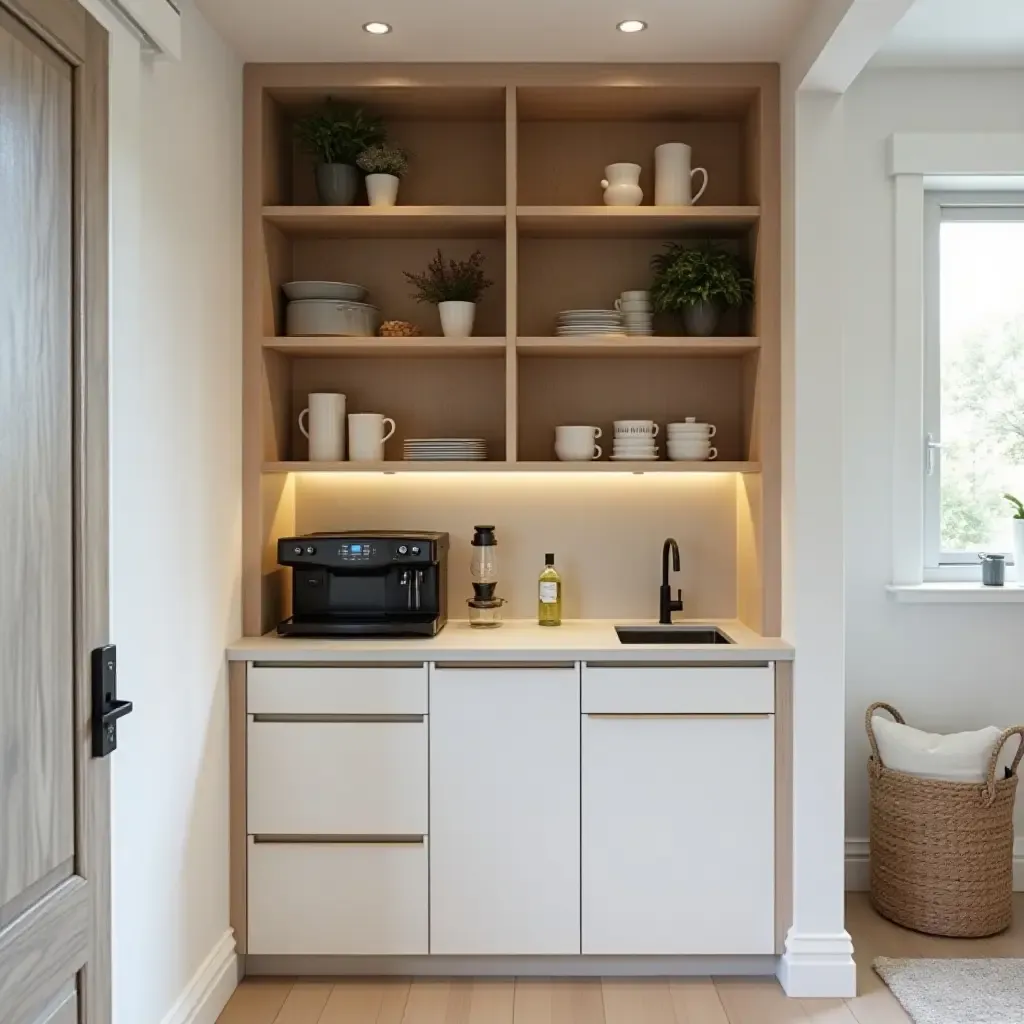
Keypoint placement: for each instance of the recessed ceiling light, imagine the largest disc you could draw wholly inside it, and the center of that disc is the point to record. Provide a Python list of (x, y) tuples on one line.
[(377, 28), (631, 26)]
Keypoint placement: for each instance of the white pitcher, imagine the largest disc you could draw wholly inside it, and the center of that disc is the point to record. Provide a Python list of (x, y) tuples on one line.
[(323, 423), (673, 176), (621, 184)]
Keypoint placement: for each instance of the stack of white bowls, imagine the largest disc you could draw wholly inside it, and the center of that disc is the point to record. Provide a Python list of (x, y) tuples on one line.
[(635, 441), (690, 441), (637, 317)]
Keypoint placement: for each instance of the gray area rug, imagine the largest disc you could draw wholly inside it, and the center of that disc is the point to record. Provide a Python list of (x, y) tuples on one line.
[(983, 991)]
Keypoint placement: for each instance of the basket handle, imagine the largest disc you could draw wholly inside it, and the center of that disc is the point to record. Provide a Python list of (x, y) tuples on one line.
[(1017, 730), (871, 729)]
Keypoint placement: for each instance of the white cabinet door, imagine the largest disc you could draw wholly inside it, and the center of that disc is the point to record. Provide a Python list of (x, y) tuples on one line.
[(504, 811), (678, 835)]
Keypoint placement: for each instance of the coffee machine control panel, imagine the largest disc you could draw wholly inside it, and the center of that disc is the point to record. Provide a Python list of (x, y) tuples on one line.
[(345, 552)]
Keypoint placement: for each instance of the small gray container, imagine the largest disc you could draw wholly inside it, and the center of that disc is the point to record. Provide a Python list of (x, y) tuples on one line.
[(993, 570)]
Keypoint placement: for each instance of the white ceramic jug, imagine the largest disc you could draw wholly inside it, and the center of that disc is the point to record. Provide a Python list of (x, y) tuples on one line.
[(621, 184), (323, 423), (673, 175)]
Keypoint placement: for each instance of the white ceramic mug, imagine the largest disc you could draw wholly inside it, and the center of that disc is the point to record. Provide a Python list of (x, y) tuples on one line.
[(577, 444), (636, 428), (691, 452), (673, 176), (366, 436), (323, 424), (633, 305)]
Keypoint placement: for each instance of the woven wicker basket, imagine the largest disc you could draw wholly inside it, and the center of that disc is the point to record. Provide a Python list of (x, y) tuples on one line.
[(942, 852)]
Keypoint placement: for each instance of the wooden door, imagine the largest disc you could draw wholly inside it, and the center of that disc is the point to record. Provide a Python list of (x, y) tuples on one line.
[(505, 810), (678, 834), (54, 797)]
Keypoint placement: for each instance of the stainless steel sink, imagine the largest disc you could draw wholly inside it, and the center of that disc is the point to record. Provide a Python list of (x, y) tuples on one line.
[(671, 635)]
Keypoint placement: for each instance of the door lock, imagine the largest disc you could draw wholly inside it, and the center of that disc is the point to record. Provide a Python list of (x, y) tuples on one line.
[(106, 708)]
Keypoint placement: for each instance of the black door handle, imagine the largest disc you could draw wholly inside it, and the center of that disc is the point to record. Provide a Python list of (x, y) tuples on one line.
[(106, 708)]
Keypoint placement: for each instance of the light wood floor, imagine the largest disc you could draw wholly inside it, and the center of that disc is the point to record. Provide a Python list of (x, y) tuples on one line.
[(610, 1001)]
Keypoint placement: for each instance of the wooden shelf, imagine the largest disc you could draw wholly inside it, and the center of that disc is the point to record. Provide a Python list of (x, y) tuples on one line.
[(387, 347), (512, 467), (633, 346), (634, 221), (387, 221)]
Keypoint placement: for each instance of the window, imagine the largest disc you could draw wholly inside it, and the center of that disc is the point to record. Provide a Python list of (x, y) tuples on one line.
[(974, 376)]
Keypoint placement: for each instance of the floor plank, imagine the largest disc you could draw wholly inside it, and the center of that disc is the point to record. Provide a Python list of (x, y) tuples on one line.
[(479, 1001), (558, 1001), (305, 1002), (427, 1002), (257, 1001), (353, 1002), (394, 1001), (827, 1011), (695, 1001), (758, 1001), (637, 1001)]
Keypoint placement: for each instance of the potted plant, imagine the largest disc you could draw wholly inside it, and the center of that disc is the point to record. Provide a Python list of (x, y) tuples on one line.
[(336, 135), (384, 166), (454, 287), (1018, 535), (697, 282)]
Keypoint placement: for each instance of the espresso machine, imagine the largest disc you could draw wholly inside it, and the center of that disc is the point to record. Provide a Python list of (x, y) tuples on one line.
[(366, 584)]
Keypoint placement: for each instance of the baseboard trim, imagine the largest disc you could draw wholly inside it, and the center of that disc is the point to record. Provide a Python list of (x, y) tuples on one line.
[(211, 986), (505, 966), (818, 966), (858, 865)]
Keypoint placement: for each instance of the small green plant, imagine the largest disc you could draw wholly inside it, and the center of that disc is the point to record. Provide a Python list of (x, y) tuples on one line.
[(337, 133), (1017, 504), (456, 281), (383, 158), (685, 277)]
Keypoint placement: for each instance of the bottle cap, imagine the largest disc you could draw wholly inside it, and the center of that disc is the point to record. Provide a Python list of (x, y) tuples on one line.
[(484, 537), (549, 559)]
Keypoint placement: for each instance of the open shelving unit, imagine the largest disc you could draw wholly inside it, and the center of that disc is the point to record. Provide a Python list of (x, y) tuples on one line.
[(507, 159)]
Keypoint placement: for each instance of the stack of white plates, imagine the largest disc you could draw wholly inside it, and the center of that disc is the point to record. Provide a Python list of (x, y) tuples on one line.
[(578, 323), (445, 449)]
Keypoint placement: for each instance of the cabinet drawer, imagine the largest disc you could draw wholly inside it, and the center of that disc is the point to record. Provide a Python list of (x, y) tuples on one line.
[(290, 690), (341, 899), (681, 691), (337, 778)]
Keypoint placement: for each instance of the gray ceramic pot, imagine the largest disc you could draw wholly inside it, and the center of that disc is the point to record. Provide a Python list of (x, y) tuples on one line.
[(336, 184), (701, 319)]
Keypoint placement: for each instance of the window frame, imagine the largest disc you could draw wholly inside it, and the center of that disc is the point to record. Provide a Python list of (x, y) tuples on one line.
[(948, 207)]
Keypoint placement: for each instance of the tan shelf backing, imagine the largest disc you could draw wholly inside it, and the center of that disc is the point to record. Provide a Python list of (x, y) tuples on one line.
[(666, 222)]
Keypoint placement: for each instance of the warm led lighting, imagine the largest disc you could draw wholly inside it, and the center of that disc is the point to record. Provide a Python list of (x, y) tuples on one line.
[(631, 26), (382, 28)]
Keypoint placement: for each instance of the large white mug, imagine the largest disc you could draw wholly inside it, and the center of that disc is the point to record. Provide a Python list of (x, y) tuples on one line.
[(366, 436), (577, 444), (673, 175), (323, 424)]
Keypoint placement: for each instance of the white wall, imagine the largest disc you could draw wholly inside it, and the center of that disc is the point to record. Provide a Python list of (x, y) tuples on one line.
[(175, 502), (944, 666)]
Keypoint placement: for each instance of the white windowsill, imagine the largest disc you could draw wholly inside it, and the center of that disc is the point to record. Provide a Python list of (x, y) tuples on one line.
[(956, 593)]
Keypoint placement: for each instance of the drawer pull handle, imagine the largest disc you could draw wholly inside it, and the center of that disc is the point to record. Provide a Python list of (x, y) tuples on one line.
[(365, 719), (682, 714), (713, 666), (448, 666), (410, 840)]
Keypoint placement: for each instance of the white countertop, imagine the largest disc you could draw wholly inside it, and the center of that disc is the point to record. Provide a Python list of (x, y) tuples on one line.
[(520, 640)]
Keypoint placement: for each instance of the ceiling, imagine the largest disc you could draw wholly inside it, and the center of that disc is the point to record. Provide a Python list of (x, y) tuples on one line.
[(511, 30), (958, 33)]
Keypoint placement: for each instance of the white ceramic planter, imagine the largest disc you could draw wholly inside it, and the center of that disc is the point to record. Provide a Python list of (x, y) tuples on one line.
[(382, 189), (1018, 550), (457, 318)]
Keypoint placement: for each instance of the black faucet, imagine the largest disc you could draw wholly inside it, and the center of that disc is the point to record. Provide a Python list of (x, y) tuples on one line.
[(665, 602)]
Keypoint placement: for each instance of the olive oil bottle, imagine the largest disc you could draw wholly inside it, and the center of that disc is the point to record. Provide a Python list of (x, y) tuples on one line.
[(549, 594)]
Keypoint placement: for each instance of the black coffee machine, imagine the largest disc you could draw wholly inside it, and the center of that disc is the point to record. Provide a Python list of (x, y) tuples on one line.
[(366, 584)]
